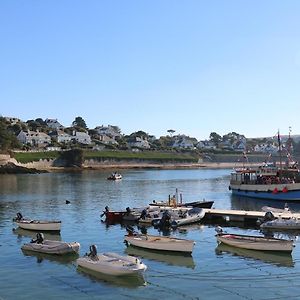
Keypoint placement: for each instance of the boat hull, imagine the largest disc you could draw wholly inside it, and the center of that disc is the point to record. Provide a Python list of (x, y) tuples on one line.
[(284, 192), (160, 243), (281, 225), (53, 247), (255, 243), (113, 264), (39, 225), (189, 219)]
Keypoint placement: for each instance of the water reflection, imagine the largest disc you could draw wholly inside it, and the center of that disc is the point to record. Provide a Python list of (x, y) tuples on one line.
[(180, 260), (129, 281), (40, 257), (20, 232), (246, 203), (278, 259)]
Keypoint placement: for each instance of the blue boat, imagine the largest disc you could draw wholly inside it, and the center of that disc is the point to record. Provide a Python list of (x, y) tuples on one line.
[(266, 182)]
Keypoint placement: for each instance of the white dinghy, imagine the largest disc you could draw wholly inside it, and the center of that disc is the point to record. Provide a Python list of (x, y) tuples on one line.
[(190, 216), (38, 225), (51, 247), (254, 242), (111, 263), (154, 242)]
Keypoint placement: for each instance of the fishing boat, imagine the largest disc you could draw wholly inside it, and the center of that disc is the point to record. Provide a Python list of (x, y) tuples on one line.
[(268, 181), (162, 243), (115, 176), (111, 263), (191, 216), (255, 242), (38, 225), (51, 247), (177, 201), (282, 224)]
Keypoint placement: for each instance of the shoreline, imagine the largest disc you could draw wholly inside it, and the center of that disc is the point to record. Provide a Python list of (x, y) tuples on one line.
[(124, 166), (36, 167)]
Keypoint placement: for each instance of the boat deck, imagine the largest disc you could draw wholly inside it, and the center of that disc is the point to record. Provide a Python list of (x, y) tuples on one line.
[(242, 215)]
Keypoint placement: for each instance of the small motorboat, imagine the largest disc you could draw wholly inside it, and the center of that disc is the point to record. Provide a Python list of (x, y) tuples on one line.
[(115, 176), (254, 242), (171, 203), (282, 224), (38, 225), (51, 247), (111, 263), (286, 209), (162, 243), (190, 216)]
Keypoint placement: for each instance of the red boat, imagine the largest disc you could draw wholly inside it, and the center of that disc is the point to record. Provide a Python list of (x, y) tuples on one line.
[(112, 216)]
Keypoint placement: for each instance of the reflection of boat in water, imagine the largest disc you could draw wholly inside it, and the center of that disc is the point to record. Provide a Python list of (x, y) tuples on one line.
[(62, 259), (169, 258), (129, 281), (54, 236), (278, 258)]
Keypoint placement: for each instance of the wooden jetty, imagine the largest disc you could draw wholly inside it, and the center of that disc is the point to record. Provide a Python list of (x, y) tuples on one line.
[(246, 216)]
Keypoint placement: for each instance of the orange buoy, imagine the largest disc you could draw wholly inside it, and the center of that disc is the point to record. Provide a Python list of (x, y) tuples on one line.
[(275, 191), (285, 190)]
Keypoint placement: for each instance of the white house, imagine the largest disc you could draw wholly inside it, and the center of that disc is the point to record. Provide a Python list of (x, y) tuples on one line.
[(53, 123), (34, 138), (139, 142), (105, 139), (266, 148), (183, 141), (206, 145), (63, 137), (12, 121), (81, 137), (110, 131)]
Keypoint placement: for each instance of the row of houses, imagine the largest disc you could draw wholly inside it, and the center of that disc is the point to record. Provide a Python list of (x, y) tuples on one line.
[(111, 135)]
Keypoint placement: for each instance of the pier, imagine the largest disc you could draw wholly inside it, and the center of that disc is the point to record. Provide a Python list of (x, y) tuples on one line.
[(248, 217)]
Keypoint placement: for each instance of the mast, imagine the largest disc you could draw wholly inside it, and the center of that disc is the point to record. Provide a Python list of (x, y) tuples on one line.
[(280, 156)]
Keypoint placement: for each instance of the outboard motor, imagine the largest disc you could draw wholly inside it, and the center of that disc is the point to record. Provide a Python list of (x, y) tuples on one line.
[(269, 216), (93, 251), (18, 217), (143, 214), (128, 210), (39, 238), (106, 210), (165, 220), (130, 230)]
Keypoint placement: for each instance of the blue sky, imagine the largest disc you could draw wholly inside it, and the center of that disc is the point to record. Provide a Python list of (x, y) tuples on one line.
[(192, 66)]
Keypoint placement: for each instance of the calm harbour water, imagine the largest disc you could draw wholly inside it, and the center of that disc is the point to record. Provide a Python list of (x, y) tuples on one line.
[(211, 273)]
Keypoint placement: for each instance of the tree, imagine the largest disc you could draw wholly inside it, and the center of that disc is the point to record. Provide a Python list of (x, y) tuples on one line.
[(72, 158), (171, 131), (7, 139), (215, 138), (79, 122)]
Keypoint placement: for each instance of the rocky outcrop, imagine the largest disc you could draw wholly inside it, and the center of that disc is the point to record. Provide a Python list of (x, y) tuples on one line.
[(11, 168)]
